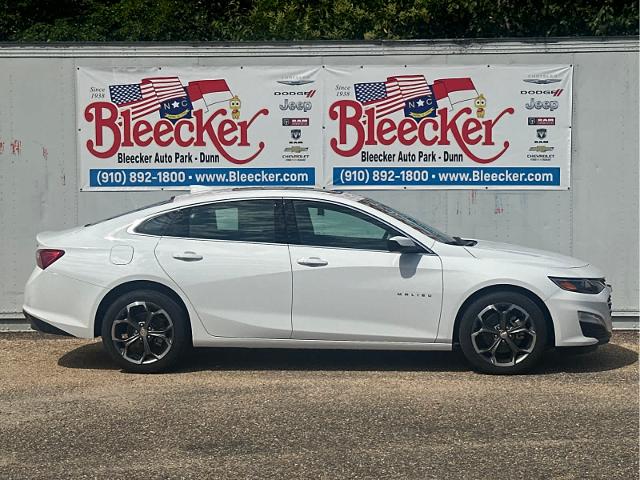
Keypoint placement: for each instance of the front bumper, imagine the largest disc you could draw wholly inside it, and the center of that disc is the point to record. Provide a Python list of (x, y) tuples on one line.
[(580, 319), (594, 327)]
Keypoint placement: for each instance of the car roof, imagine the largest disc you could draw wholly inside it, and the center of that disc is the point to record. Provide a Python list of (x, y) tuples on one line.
[(204, 194)]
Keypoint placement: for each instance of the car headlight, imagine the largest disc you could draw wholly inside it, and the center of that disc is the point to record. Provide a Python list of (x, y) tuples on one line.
[(580, 285)]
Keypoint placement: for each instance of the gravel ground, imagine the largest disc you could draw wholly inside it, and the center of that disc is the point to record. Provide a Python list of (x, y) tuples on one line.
[(66, 411)]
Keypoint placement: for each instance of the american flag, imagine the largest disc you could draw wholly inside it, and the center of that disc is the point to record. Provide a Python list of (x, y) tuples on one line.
[(145, 97), (390, 96)]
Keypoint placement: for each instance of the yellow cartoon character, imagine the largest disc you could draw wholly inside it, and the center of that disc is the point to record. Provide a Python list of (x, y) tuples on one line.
[(480, 103), (234, 104)]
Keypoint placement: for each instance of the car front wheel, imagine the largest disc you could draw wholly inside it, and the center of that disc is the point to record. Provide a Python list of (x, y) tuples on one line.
[(503, 333), (145, 331)]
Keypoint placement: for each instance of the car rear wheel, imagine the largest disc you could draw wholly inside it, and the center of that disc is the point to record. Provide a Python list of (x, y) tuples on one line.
[(145, 331), (503, 333)]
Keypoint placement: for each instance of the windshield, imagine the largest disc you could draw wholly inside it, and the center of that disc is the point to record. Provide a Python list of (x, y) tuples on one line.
[(417, 224)]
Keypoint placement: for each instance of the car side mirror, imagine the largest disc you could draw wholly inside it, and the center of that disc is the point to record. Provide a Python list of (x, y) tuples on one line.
[(403, 245)]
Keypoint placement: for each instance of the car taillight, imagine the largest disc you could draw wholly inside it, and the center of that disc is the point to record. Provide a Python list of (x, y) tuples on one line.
[(46, 256)]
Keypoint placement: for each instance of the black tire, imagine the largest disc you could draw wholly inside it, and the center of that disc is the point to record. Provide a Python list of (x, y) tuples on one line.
[(156, 353), (508, 353)]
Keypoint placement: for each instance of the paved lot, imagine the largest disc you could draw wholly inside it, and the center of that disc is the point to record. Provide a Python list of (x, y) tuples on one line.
[(66, 411)]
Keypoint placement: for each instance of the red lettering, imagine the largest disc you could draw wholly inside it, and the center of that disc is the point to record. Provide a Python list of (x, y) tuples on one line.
[(202, 127), (453, 127), (226, 128), (178, 135), (140, 129), (406, 127), (244, 127), (105, 115), (339, 111), (126, 128), (422, 131), (113, 131), (469, 127), (449, 125), (160, 129), (488, 126), (385, 126), (371, 127), (357, 127)]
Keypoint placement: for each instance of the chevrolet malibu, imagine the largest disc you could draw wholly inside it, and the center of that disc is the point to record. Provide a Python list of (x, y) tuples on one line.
[(307, 269)]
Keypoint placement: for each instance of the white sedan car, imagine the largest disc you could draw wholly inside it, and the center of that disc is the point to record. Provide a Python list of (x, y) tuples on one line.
[(307, 269)]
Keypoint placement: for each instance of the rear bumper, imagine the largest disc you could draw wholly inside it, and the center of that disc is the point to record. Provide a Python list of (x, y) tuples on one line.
[(44, 327), (61, 302)]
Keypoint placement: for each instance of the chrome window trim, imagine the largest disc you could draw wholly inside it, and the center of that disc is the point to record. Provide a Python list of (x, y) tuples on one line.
[(131, 229)]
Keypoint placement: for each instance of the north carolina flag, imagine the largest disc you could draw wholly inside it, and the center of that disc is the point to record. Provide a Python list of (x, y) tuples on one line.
[(453, 90), (209, 91)]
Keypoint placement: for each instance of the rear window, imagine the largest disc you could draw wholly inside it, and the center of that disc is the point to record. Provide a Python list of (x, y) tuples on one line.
[(157, 204), (158, 225)]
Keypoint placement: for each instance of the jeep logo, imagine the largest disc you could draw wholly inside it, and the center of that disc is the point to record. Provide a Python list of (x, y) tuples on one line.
[(550, 105), (303, 106)]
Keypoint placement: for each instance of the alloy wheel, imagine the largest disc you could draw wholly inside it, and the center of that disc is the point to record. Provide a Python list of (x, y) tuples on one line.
[(142, 332), (503, 334)]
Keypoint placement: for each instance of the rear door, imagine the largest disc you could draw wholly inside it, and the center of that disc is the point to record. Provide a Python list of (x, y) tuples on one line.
[(347, 285), (232, 262)]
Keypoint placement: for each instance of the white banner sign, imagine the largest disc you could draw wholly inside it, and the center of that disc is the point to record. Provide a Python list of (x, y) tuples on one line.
[(506, 127)]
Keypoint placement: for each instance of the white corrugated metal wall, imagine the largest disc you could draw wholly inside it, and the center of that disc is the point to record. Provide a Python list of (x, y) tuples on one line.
[(596, 220)]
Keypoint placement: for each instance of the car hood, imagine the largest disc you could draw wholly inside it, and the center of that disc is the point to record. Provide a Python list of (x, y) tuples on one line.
[(505, 251)]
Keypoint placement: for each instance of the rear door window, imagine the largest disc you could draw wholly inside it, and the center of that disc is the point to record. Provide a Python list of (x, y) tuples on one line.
[(259, 220)]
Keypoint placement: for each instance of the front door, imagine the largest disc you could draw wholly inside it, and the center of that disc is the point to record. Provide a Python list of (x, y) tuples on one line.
[(232, 262), (347, 285)]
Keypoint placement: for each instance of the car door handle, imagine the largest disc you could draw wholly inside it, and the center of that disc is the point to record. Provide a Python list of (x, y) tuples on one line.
[(187, 256), (312, 262)]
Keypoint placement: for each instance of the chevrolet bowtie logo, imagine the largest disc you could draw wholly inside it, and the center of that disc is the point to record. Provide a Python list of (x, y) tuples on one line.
[(296, 149), (540, 149)]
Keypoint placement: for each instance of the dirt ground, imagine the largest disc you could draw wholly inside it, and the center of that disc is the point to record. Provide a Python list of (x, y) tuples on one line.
[(66, 411)]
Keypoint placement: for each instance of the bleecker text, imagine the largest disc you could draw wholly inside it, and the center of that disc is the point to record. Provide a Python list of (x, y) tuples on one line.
[(113, 131), (358, 127)]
